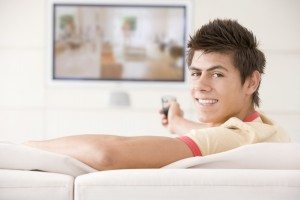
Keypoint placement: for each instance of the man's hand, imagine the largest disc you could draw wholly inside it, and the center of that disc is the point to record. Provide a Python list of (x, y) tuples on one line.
[(175, 113), (175, 122)]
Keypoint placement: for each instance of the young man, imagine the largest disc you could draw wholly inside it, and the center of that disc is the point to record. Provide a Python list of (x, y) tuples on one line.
[(225, 71)]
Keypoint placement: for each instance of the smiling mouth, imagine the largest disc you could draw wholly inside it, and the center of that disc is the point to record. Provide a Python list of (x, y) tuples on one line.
[(207, 102)]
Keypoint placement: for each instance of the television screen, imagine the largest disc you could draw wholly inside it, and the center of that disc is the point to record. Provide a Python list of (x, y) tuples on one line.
[(119, 42)]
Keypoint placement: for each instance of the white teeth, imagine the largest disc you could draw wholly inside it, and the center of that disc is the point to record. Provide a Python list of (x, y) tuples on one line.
[(207, 101)]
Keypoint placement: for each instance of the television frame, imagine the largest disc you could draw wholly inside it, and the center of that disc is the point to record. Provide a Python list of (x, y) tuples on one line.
[(188, 4)]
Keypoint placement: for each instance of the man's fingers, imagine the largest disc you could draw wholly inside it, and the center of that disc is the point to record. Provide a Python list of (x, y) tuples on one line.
[(164, 122), (161, 111)]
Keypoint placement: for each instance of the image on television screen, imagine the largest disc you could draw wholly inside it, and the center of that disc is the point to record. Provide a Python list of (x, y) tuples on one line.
[(119, 42)]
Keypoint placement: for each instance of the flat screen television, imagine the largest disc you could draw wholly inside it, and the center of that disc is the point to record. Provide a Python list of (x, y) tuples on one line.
[(139, 41)]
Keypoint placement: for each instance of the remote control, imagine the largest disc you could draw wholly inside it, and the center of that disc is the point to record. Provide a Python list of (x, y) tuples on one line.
[(165, 103)]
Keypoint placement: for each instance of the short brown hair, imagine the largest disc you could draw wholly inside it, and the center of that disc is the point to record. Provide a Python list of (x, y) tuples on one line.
[(228, 36)]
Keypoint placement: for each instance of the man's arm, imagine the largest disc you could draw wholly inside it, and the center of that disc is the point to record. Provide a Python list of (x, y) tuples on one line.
[(105, 152), (176, 123)]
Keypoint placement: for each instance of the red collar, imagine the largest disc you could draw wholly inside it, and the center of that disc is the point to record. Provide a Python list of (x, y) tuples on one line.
[(251, 117)]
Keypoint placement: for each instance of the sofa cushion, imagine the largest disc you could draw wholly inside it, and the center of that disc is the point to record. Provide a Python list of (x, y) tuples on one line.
[(29, 185), (254, 156), (182, 184), (21, 157)]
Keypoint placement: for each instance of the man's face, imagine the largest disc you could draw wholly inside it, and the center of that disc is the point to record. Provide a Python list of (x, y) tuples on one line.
[(216, 88)]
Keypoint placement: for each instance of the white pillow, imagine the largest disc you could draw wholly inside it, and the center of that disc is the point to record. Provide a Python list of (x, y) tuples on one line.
[(255, 156), (21, 157)]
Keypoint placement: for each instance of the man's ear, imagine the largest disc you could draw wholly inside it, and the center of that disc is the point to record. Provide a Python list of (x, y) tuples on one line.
[(252, 82)]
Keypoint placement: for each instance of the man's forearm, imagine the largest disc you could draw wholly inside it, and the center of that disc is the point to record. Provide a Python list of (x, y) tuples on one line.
[(180, 126), (106, 152)]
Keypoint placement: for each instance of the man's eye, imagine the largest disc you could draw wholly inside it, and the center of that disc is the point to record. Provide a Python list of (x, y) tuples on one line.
[(216, 75), (195, 74)]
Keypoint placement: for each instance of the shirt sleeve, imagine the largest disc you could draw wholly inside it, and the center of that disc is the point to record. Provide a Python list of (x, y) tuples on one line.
[(216, 140), (232, 134), (191, 144)]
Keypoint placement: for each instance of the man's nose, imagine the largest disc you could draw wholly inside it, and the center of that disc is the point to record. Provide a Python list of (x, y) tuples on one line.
[(203, 83)]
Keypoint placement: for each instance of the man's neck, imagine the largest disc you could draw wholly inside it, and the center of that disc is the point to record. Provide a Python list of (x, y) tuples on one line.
[(242, 116), (247, 113)]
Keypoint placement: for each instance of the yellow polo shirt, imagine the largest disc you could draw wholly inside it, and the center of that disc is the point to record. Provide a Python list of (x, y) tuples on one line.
[(232, 134)]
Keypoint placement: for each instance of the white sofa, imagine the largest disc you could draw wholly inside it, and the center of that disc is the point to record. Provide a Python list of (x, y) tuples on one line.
[(260, 171), (33, 185)]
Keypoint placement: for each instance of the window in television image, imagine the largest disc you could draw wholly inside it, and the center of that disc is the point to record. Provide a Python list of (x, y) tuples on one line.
[(119, 42)]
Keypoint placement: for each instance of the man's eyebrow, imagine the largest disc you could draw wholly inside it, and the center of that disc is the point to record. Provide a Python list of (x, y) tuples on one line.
[(209, 69)]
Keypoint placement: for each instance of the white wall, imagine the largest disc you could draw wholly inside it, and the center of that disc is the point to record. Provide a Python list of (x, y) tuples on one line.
[(30, 109)]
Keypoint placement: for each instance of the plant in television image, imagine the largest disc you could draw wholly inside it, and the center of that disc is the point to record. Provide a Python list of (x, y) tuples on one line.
[(119, 42)]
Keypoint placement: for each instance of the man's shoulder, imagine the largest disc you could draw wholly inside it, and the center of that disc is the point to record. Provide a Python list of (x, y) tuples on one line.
[(259, 118)]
